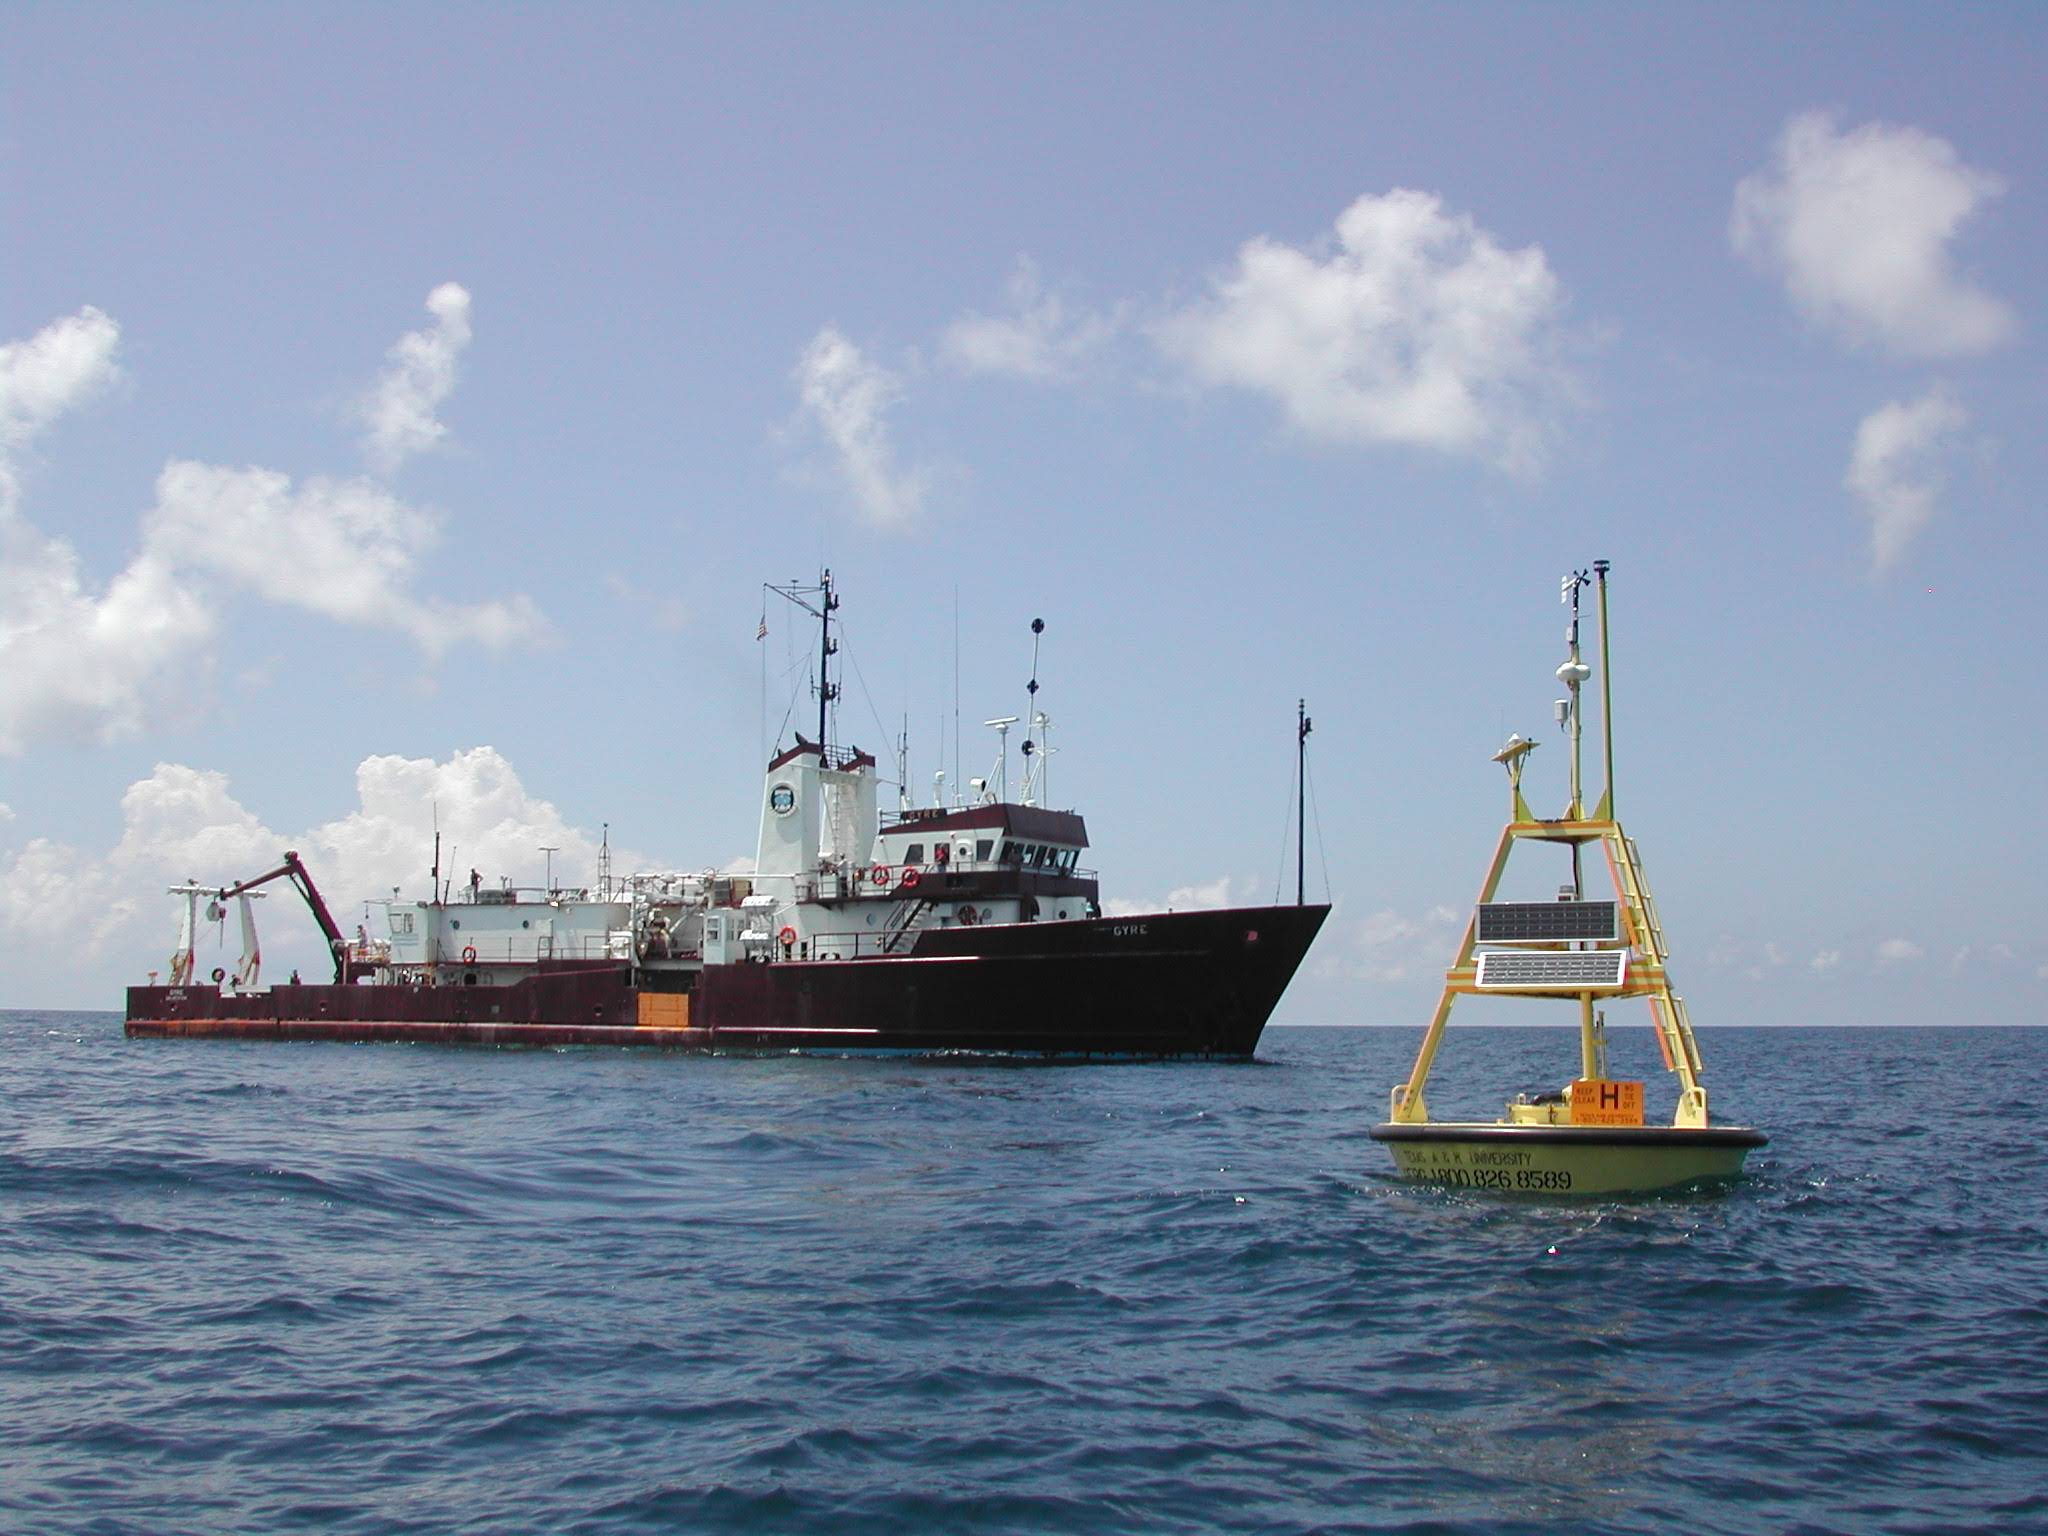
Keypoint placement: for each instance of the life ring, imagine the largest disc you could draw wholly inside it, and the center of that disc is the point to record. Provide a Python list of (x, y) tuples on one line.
[(788, 935), (219, 975), (910, 877), (879, 875), (968, 917), (469, 954)]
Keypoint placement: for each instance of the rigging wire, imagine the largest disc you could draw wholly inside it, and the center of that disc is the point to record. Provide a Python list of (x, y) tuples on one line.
[(795, 689), (780, 733), (1286, 821), (1315, 812), (882, 731), (794, 666)]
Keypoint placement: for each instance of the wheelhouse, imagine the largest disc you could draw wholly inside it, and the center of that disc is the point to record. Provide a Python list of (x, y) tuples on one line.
[(985, 839)]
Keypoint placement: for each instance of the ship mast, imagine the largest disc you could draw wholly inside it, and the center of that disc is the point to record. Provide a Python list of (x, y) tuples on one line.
[(827, 646), (1036, 752), (1302, 726), (827, 689)]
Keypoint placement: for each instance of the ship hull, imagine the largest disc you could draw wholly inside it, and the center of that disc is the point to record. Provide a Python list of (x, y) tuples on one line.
[(1159, 985)]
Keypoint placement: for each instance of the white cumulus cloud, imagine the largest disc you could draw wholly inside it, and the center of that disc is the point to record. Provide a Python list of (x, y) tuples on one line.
[(61, 366), (346, 549), (488, 819), (1980, 960), (419, 374), (1859, 224), (1207, 895), (83, 662), (1391, 946), (86, 666), (76, 663), (1038, 338), (1825, 961), (1896, 468), (1898, 951), (1412, 326), (186, 819), (180, 823), (67, 913), (847, 399)]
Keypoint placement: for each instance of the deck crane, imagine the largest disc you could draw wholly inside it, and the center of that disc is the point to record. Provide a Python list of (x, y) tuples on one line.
[(295, 871)]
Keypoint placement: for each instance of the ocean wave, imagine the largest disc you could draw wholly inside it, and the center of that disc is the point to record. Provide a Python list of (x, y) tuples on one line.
[(379, 1291)]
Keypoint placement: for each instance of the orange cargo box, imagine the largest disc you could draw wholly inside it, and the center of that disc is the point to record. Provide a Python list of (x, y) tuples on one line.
[(671, 1010), (1605, 1101)]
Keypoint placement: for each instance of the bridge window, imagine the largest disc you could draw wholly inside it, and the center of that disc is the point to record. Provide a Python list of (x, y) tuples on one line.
[(914, 854), (983, 848)]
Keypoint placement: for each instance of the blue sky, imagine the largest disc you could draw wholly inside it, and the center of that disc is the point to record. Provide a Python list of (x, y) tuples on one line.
[(401, 411)]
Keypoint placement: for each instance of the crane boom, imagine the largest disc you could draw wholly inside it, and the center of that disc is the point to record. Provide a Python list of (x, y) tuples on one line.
[(293, 869)]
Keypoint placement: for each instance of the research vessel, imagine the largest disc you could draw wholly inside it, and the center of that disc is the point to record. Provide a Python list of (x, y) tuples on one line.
[(964, 925), (1592, 1136)]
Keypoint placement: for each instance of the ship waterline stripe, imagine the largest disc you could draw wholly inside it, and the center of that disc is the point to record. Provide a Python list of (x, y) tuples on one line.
[(787, 1029)]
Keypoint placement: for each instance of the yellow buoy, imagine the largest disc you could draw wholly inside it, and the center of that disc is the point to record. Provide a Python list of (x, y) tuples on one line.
[(1591, 1137)]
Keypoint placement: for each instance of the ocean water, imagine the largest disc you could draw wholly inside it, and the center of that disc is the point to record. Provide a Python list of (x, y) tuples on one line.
[(374, 1289)]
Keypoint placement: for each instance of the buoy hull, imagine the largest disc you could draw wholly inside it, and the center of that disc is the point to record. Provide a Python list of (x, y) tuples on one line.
[(1567, 1159)]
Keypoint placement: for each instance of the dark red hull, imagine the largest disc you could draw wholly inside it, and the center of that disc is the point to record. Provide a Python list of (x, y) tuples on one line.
[(1173, 984)]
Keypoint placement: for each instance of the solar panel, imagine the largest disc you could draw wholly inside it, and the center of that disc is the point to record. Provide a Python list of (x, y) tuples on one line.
[(1541, 922), (1574, 971)]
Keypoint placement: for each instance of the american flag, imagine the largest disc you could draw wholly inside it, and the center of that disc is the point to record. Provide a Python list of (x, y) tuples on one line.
[(762, 632)]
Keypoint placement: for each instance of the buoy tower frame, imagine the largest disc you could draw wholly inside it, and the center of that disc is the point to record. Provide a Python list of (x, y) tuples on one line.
[(1640, 968)]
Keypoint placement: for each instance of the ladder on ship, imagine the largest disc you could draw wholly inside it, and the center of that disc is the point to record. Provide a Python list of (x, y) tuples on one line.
[(905, 921)]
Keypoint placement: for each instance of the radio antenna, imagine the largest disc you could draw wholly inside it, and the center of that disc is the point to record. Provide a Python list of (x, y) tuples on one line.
[(956, 695), (827, 646), (1033, 720), (1600, 569)]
